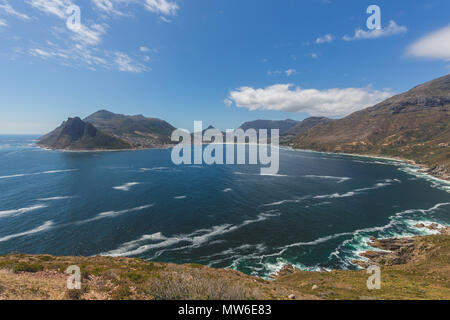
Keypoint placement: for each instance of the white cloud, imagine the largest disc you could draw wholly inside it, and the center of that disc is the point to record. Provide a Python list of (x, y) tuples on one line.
[(55, 7), (286, 97), (392, 29), (46, 54), (5, 7), (290, 72), (325, 39), (115, 7), (228, 102), (125, 63), (89, 35), (162, 6), (314, 56), (82, 46), (164, 19), (435, 45), (3, 23)]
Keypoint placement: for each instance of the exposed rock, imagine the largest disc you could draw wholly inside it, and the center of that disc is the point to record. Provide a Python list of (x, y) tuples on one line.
[(314, 287), (435, 227), (286, 270), (76, 134)]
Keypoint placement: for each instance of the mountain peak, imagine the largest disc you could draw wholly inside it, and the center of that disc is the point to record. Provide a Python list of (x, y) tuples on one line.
[(102, 114)]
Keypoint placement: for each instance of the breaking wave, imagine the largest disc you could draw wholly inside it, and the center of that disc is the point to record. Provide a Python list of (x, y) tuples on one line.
[(7, 213), (46, 226), (126, 186), (194, 239), (114, 214), (36, 173)]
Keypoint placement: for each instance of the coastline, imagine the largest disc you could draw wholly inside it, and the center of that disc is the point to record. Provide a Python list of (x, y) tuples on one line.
[(101, 150), (421, 168), (419, 171)]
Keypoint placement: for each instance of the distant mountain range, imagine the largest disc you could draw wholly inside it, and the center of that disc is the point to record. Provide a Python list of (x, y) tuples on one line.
[(305, 125), (282, 125), (414, 125)]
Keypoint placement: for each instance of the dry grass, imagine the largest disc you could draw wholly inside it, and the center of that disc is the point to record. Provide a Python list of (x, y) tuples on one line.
[(104, 278)]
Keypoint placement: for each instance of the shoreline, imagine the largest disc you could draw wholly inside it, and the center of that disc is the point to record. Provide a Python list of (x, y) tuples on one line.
[(100, 150), (421, 168)]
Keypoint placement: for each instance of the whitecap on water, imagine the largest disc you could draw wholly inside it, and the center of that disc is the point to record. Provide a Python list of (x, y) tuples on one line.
[(194, 239), (46, 226), (126, 186), (6, 213)]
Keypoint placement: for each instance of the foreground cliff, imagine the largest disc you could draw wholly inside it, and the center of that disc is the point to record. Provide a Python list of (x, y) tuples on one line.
[(414, 268), (414, 125)]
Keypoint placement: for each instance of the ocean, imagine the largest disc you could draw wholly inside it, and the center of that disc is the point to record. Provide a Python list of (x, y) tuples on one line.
[(317, 213)]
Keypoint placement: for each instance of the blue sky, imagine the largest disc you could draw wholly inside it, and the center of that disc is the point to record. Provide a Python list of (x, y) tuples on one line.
[(222, 62)]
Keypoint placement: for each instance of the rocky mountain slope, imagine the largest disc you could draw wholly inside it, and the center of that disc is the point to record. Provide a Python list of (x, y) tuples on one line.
[(105, 130), (139, 131), (414, 125), (306, 124), (76, 134)]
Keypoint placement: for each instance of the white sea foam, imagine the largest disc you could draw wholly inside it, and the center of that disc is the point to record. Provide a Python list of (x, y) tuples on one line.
[(126, 186), (227, 190), (114, 214), (36, 173), (194, 239), (273, 175), (156, 169), (55, 198), (352, 193), (46, 226), (58, 171), (180, 197), (273, 268), (360, 238), (21, 210), (336, 195), (387, 182), (277, 203), (337, 179), (435, 182)]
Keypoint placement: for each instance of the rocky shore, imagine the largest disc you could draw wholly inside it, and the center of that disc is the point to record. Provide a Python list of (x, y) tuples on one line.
[(411, 268), (397, 251)]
